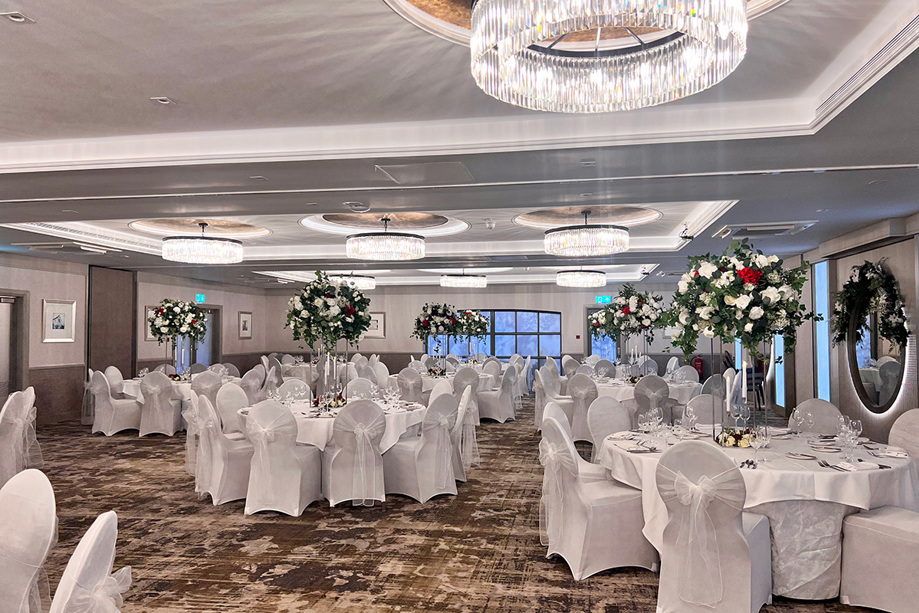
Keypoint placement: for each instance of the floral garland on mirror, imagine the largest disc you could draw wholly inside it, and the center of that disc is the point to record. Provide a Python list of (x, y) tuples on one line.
[(435, 320), (632, 312), (176, 318), (325, 312), (741, 294), (876, 283)]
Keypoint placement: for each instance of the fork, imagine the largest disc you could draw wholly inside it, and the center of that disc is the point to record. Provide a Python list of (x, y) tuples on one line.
[(826, 464)]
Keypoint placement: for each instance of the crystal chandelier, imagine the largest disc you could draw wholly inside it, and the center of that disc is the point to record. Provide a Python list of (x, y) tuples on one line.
[(518, 55), (385, 246), (587, 240), (202, 249), (464, 280), (361, 282), (580, 278)]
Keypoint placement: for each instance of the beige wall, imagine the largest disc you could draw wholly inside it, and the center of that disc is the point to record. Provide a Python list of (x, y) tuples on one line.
[(231, 299)]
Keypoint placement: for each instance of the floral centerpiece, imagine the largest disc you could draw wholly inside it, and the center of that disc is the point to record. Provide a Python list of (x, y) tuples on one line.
[(471, 324), (435, 320), (871, 288), (173, 319), (735, 437), (741, 294), (325, 312), (632, 312)]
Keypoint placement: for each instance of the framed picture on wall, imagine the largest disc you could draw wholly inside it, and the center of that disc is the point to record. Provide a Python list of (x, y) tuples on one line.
[(245, 325), (58, 317), (377, 327), (149, 311)]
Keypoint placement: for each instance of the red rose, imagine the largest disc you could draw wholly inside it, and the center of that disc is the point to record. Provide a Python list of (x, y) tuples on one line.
[(749, 275), (350, 310), (424, 322), (193, 322), (626, 311)]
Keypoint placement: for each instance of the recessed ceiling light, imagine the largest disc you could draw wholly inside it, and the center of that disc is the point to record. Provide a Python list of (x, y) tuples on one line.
[(587, 194), (822, 210), (357, 207), (162, 100), (18, 18), (588, 163), (256, 177), (68, 211)]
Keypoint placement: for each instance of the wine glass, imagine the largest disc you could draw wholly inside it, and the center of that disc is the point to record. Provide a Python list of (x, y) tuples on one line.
[(809, 421), (745, 415), (601, 372), (797, 418), (735, 415), (761, 441)]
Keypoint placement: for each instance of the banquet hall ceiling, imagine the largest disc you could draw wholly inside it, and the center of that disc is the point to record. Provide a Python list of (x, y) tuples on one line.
[(295, 109)]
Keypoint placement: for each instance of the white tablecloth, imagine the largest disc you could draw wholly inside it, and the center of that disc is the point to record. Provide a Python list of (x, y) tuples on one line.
[(132, 389), (486, 381), (681, 392), (317, 431), (804, 502)]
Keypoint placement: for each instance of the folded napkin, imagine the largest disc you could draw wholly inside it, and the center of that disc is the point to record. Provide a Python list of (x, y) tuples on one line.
[(894, 452), (858, 466), (631, 446), (620, 436)]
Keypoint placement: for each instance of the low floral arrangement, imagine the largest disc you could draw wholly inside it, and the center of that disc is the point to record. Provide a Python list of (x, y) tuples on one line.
[(871, 288), (631, 313), (176, 318), (731, 437), (741, 294), (333, 403), (436, 320), (325, 312), (471, 324), (437, 371), (635, 379), (182, 377)]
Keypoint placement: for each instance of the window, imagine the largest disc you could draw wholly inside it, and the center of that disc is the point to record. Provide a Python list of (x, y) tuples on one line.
[(779, 370), (821, 276), (533, 333), (604, 347)]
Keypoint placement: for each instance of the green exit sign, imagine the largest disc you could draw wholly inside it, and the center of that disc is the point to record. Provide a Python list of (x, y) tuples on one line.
[(200, 298), (604, 299)]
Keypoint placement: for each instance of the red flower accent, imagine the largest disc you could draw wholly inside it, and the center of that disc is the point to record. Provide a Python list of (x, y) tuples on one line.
[(749, 275), (597, 324), (350, 310), (192, 322), (696, 274), (626, 311), (424, 322), (160, 311)]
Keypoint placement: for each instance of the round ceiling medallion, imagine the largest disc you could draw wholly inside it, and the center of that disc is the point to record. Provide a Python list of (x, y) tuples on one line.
[(220, 228), (452, 20), (424, 224), (547, 219)]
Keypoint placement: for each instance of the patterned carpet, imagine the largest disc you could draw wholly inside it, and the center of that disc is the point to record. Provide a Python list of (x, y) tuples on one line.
[(478, 551)]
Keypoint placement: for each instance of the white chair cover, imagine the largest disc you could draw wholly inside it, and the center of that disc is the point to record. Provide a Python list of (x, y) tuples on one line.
[(160, 412), (905, 433), (647, 367), (685, 374), (826, 415), (672, 364), (283, 476), (703, 407), (196, 368), (358, 429), (355, 357), (294, 389), (115, 381), (467, 378), (652, 392), (275, 364), (583, 391), (889, 372), (382, 374), (606, 416), (223, 463), (499, 404), (584, 370), (610, 368), (230, 399), (557, 456), (360, 387), (441, 387), (220, 369), (251, 383), (592, 359), (207, 384), (87, 413), (463, 455), (28, 531), (167, 369), (571, 365), (708, 556), (190, 415), (112, 414), (410, 385), (492, 368), (86, 585), (232, 370), (287, 359), (270, 386)]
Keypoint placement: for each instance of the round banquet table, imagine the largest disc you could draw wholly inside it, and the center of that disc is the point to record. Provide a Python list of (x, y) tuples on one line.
[(486, 381), (804, 502), (317, 431), (682, 393), (131, 388)]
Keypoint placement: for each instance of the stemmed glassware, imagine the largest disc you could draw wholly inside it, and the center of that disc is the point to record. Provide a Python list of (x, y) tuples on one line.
[(760, 441)]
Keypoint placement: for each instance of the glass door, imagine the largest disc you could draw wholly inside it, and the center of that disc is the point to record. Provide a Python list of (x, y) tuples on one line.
[(207, 350), (604, 346)]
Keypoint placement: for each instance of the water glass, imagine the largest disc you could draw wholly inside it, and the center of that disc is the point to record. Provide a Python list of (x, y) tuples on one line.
[(761, 441)]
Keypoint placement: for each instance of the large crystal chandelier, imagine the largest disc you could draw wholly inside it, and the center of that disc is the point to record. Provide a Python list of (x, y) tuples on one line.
[(464, 280), (385, 246), (202, 249), (520, 56), (586, 240), (361, 282), (580, 278)]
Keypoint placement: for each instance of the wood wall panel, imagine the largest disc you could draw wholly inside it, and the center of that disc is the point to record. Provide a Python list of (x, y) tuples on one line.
[(58, 392), (111, 337)]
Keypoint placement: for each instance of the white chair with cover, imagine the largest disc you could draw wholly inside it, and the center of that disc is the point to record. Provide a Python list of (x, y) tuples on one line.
[(352, 467), (275, 364), (715, 556), (304, 373), (87, 413), (571, 365), (427, 361), (588, 471), (551, 391), (557, 374), (706, 409), (709, 385), (592, 359), (232, 370), (826, 415), (652, 392), (592, 525), (493, 369), (480, 357), (498, 404), (113, 414), (880, 547), (884, 360), (197, 368), (19, 449), (585, 370), (421, 467), (360, 388), (359, 360), (161, 410), (442, 387), (220, 369), (287, 360), (270, 386), (207, 384), (467, 378), (606, 416), (523, 375), (889, 372), (647, 367), (604, 368), (365, 371), (28, 530), (230, 399), (223, 463), (460, 464), (115, 381), (294, 389), (283, 476), (192, 435), (672, 364), (685, 374), (166, 369), (382, 374), (410, 385), (355, 357), (583, 392), (418, 366), (88, 584)]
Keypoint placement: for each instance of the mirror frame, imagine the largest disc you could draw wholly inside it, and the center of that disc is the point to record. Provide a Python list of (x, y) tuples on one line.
[(854, 373)]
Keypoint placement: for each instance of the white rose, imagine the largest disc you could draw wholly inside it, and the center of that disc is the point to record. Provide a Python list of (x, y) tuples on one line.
[(772, 259), (742, 302), (756, 313), (633, 302), (334, 311), (761, 260), (730, 300), (183, 329), (330, 301), (771, 294), (684, 317), (683, 286), (646, 322), (164, 329), (177, 309), (736, 263), (707, 269), (318, 302), (686, 277), (708, 332), (304, 314), (749, 287), (298, 304), (748, 327), (705, 312)]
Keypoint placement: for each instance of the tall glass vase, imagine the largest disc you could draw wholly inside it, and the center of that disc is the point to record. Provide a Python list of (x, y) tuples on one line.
[(720, 401)]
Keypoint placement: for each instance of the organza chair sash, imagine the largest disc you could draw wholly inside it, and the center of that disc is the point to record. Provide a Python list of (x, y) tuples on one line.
[(31, 450), (190, 415), (696, 552), (156, 393), (207, 432), (366, 447), (262, 437), (104, 597), (469, 446), (557, 461), (438, 431), (88, 414)]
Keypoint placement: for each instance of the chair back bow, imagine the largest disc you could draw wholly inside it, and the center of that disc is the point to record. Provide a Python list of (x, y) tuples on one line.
[(556, 461), (436, 429), (104, 597), (365, 431)]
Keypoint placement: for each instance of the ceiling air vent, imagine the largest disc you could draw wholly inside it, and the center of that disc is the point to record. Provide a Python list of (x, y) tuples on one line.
[(68, 247), (432, 173), (761, 230)]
